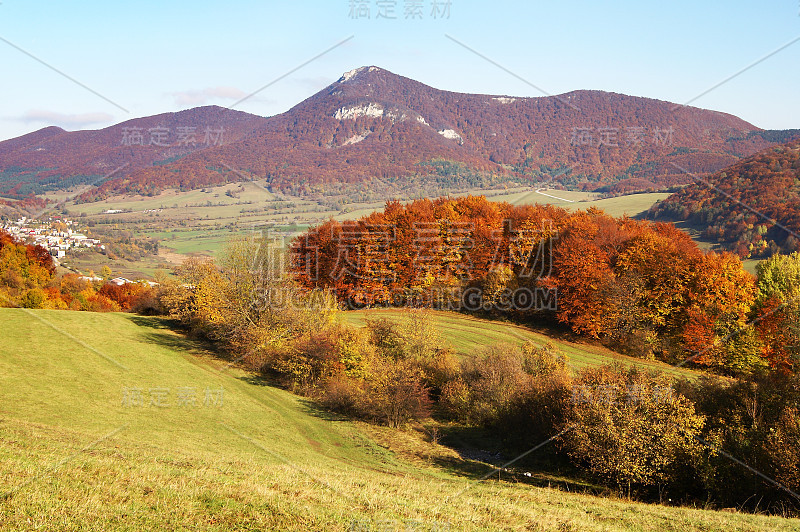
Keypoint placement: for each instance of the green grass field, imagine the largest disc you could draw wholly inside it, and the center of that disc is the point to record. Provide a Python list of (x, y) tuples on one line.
[(173, 198), (77, 452), (469, 335), (195, 241), (631, 205)]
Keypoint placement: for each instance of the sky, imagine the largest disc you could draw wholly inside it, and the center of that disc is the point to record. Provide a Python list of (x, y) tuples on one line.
[(91, 64)]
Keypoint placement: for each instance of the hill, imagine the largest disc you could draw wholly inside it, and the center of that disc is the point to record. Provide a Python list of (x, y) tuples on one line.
[(52, 159), (75, 456), (469, 335), (751, 207), (373, 126)]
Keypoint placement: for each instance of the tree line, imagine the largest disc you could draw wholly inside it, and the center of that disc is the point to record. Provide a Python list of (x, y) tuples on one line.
[(643, 288)]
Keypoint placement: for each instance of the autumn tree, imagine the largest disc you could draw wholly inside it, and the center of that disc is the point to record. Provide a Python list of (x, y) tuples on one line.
[(778, 310), (630, 428), (26, 271), (247, 301)]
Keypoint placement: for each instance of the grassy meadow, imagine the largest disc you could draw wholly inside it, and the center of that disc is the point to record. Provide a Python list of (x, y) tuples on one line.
[(78, 451), (469, 335)]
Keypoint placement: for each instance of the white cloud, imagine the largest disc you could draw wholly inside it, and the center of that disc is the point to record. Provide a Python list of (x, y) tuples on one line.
[(200, 97), (60, 119)]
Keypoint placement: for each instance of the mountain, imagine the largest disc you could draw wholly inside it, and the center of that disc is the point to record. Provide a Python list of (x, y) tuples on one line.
[(751, 207), (377, 129), (52, 158)]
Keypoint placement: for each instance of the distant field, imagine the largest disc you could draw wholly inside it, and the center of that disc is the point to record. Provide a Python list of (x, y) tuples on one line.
[(204, 242), (175, 198), (469, 335), (631, 205), (212, 241), (140, 269), (530, 196), (359, 211), (252, 205), (77, 454)]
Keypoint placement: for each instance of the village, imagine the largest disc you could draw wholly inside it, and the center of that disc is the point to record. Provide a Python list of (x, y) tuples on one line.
[(57, 235)]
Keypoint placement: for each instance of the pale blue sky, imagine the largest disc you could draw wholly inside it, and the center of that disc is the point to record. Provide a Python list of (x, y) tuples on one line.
[(156, 56)]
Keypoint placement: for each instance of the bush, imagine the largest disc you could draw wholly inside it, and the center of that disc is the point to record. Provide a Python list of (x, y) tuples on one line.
[(395, 394), (131, 296), (33, 298), (519, 391), (456, 400), (392, 393), (544, 405), (630, 428), (497, 380), (755, 421)]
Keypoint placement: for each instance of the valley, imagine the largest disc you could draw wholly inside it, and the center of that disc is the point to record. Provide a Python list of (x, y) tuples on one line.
[(430, 265), (201, 222)]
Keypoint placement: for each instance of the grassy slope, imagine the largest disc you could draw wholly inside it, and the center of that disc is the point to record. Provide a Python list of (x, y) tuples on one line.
[(285, 467), (631, 205), (467, 335)]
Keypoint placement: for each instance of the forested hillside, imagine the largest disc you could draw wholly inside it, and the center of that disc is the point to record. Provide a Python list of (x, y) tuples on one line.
[(375, 128), (751, 207)]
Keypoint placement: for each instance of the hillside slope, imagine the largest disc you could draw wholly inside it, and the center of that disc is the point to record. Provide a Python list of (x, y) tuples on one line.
[(51, 158), (378, 127), (469, 335), (751, 207), (75, 456)]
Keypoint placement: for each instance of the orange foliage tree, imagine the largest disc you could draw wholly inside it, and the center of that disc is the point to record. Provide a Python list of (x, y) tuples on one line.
[(642, 286)]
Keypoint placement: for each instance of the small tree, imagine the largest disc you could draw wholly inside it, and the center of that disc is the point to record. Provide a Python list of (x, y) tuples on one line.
[(395, 393), (630, 428)]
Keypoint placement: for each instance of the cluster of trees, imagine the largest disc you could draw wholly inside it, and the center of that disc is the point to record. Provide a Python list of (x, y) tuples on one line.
[(124, 244), (247, 305), (245, 302), (25, 270), (28, 279), (644, 434), (752, 207), (644, 288)]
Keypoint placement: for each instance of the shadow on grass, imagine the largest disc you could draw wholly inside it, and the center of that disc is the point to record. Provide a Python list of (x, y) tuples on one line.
[(483, 456), (541, 323), (178, 343), (261, 380), (315, 409), (167, 333), (154, 322)]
